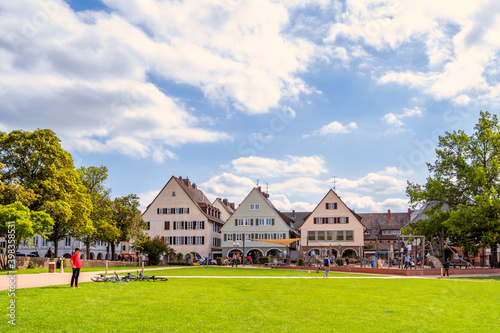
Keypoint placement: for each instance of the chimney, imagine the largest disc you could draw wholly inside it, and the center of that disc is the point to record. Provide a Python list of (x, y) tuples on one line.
[(231, 205), (408, 215), (180, 178), (226, 202), (194, 186), (293, 214), (389, 215)]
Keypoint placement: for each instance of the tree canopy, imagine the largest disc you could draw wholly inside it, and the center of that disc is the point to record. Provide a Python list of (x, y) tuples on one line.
[(462, 191)]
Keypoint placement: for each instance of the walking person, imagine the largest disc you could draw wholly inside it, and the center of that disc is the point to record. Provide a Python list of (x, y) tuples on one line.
[(76, 264), (446, 268), (326, 263)]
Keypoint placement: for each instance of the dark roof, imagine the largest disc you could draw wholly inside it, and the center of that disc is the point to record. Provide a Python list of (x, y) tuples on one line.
[(229, 210), (376, 222), (298, 218)]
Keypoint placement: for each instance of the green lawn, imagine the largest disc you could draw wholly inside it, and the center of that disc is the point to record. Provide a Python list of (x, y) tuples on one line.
[(261, 305)]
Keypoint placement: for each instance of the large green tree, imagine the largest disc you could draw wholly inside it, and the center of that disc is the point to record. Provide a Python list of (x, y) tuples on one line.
[(465, 180), (154, 248), (19, 224), (103, 226), (36, 161), (128, 220)]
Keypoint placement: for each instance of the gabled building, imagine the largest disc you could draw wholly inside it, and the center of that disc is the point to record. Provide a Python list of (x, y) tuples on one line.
[(332, 228), (383, 228), (185, 219), (226, 208), (256, 218)]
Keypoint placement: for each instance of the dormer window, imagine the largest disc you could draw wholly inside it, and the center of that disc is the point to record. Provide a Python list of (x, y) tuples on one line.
[(331, 205), (254, 206)]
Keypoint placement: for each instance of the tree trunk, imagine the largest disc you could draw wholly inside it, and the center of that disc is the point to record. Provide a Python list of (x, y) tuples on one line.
[(112, 250), (87, 251), (56, 248), (441, 245), (494, 251)]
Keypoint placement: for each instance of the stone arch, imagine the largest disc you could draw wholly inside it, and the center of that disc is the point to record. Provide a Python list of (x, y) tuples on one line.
[(316, 251), (235, 249), (351, 253), (272, 251), (196, 255), (67, 255), (99, 256), (92, 256), (82, 256)]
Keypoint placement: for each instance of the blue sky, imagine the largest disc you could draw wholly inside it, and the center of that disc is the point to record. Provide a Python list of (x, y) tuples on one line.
[(230, 92)]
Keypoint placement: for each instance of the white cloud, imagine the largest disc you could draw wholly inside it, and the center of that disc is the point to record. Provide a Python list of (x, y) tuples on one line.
[(376, 182), (268, 167), (333, 128), (282, 203), (460, 41), (227, 185), (396, 119), (146, 198), (367, 204), (85, 75), (300, 186)]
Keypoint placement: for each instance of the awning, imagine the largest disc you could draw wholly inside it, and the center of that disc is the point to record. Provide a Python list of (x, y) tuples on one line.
[(278, 241)]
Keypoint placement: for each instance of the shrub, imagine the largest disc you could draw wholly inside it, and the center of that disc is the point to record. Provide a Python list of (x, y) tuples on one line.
[(301, 262), (179, 256), (339, 261), (31, 265), (369, 246), (58, 264), (219, 261), (178, 263)]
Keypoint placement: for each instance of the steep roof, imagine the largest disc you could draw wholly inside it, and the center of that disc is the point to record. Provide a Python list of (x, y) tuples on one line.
[(226, 208), (298, 218), (376, 222), (195, 194)]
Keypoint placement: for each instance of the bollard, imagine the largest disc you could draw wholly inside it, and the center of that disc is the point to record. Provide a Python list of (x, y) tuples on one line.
[(61, 267), (143, 268), (106, 267)]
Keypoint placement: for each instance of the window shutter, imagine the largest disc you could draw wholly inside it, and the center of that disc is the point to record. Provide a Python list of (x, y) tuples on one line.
[(157, 210), (183, 225), (202, 240), (327, 205), (174, 224), (202, 224), (347, 220), (188, 210), (315, 221), (272, 221), (236, 222), (251, 221), (225, 237), (335, 205), (170, 240), (185, 240)]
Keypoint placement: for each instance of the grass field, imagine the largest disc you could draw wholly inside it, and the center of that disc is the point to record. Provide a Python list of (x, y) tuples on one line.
[(261, 305)]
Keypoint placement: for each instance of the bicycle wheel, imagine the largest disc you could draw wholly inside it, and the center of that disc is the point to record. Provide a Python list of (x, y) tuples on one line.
[(98, 279), (161, 279)]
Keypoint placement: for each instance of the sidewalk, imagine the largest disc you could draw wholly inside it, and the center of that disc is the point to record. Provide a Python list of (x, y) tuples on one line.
[(54, 279)]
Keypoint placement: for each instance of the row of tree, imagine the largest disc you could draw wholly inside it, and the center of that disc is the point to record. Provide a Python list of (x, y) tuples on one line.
[(462, 192), (43, 193)]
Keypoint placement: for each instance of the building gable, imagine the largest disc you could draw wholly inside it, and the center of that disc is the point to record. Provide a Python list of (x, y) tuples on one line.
[(331, 206)]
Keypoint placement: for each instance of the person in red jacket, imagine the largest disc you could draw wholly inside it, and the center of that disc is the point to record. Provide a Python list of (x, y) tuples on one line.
[(76, 264)]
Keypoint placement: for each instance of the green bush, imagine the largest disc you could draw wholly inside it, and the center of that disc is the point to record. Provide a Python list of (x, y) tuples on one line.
[(339, 261), (179, 256), (178, 263), (219, 261), (264, 260), (58, 264), (301, 262), (31, 265)]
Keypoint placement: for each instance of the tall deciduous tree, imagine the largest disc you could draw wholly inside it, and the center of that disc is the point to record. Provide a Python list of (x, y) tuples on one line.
[(36, 161), (19, 224), (103, 227), (128, 220), (465, 178)]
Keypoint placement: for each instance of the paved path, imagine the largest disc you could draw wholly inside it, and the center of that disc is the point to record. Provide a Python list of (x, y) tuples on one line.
[(53, 279)]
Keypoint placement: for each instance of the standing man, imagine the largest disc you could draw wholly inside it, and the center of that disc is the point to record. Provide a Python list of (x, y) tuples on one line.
[(76, 264), (326, 262), (234, 261)]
